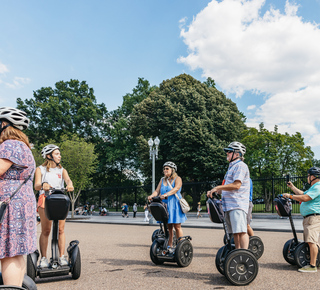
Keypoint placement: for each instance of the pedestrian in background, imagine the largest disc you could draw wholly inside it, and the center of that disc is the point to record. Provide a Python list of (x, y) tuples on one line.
[(135, 209)]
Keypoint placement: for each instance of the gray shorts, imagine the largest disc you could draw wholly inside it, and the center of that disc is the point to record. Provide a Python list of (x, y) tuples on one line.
[(236, 221), (249, 215)]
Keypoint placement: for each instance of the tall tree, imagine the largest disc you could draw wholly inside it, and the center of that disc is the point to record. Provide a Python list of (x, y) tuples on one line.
[(70, 108), (194, 122), (270, 153), (79, 159), (119, 156)]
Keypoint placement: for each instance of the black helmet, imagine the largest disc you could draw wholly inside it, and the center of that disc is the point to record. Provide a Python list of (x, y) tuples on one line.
[(315, 171)]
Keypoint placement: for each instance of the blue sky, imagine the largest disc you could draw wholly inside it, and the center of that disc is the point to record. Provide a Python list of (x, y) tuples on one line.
[(264, 55)]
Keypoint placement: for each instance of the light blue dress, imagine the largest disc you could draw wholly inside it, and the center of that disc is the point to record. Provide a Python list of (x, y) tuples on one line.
[(176, 216)]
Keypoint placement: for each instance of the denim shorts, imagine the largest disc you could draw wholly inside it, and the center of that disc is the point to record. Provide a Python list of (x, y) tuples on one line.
[(236, 221)]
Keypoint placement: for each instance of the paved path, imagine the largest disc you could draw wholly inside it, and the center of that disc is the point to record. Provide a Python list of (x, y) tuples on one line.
[(116, 256), (261, 222)]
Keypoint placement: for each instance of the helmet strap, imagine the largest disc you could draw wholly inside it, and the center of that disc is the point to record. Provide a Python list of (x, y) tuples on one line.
[(6, 126), (52, 159), (312, 179), (233, 159)]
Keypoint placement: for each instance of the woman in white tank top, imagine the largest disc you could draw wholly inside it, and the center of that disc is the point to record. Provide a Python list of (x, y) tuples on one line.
[(51, 175)]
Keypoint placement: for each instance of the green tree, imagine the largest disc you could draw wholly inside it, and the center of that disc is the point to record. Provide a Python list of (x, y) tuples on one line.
[(118, 152), (194, 122), (70, 108), (79, 159), (270, 153)]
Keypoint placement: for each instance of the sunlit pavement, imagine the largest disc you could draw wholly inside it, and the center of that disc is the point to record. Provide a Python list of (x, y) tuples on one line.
[(260, 222)]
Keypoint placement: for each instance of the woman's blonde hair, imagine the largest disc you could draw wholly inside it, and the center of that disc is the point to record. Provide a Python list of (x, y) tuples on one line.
[(173, 174), (12, 133), (49, 164)]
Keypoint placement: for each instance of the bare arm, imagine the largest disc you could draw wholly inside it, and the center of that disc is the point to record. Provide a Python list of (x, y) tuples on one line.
[(37, 179), (227, 187), (5, 164), (294, 189), (67, 180), (302, 198), (156, 192)]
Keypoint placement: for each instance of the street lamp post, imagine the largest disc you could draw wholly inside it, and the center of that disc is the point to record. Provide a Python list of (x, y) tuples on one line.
[(153, 155)]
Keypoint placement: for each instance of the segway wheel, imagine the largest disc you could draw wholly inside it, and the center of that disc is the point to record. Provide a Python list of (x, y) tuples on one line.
[(225, 241), (184, 253), (220, 258), (76, 272), (256, 246), (241, 267), (288, 250), (31, 271), (156, 233), (302, 255), (154, 249)]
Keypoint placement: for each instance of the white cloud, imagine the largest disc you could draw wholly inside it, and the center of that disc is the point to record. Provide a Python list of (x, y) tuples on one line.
[(275, 54), (18, 82), (3, 68), (252, 107)]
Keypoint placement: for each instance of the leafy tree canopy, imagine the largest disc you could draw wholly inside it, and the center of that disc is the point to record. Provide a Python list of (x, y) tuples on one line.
[(70, 108), (194, 122), (272, 153)]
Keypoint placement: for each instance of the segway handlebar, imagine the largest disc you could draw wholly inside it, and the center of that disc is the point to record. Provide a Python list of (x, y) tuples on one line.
[(53, 190)]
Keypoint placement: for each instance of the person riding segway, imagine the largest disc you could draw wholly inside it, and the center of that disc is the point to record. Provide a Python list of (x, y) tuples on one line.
[(310, 210)]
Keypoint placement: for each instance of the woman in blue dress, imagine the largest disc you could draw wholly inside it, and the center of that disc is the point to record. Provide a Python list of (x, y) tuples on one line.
[(168, 187)]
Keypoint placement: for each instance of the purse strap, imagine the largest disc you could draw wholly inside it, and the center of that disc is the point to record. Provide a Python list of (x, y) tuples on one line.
[(21, 185), (172, 188)]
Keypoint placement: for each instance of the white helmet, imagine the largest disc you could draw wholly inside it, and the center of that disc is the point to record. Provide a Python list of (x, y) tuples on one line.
[(48, 149), (236, 147), (170, 164), (14, 116)]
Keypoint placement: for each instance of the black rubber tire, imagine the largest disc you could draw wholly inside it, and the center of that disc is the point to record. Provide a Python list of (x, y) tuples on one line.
[(225, 239), (302, 255), (155, 234), (27, 283), (256, 246), (155, 247), (76, 271), (241, 267), (31, 271), (8, 287), (184, 253), (220, 258), (288, 251)]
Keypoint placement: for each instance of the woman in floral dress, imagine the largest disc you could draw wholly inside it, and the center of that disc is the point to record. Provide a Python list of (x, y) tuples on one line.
[(18, 229)]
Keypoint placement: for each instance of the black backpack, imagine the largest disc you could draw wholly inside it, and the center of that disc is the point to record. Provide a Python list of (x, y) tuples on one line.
[(282, 206), (215, 209)]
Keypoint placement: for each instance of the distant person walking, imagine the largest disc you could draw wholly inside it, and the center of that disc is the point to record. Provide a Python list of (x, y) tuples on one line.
[(146, 213), (135, 209)]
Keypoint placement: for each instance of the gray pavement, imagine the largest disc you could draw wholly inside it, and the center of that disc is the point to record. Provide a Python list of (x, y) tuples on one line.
[(260, 222)]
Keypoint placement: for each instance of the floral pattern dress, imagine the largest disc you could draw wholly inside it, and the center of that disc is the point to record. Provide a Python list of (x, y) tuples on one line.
[(18, 232)]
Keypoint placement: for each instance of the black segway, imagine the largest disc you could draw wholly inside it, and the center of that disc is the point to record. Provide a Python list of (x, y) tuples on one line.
[(239, 266), (56, 208), (27, 283), (256, 245), (159, 252), (295, 252)]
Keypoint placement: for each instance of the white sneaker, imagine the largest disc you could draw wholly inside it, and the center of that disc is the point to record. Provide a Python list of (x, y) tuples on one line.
[(44, 263), (63, 261)]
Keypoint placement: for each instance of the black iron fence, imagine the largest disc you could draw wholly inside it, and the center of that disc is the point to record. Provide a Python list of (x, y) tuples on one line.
[(264, 192)]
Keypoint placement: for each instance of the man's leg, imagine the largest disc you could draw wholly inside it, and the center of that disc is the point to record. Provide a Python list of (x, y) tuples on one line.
[(241, 240), (313, 253)]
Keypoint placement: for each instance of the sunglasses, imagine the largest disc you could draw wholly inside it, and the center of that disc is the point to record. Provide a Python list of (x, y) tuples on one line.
[(166, 168)]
